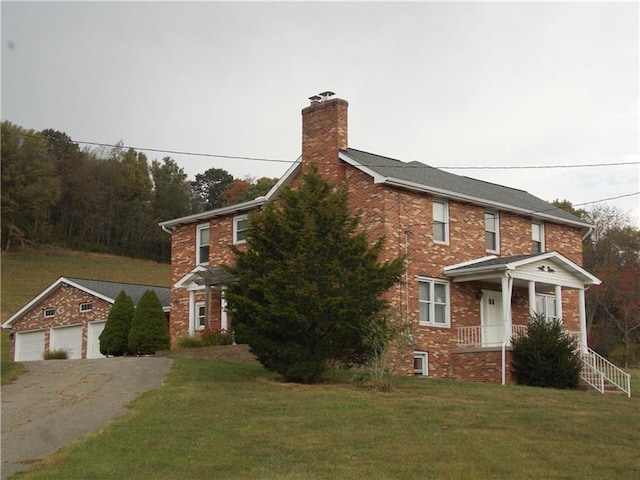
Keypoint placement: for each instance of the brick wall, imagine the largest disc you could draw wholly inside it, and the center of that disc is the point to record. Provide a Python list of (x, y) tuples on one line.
[(66, 300)]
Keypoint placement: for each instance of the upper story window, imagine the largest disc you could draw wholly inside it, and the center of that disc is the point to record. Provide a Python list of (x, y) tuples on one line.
[(492, 231), (202, 244), (86, 307), (49, 312), (440, 221), (537, 236), (240, 229), (434, 302)]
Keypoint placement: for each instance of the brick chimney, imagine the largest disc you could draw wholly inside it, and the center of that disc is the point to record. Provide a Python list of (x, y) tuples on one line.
[(324, 132)]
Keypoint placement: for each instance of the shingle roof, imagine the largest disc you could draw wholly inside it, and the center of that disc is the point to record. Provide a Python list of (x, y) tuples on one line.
[(430, 177), (494, 262), (113, 289)]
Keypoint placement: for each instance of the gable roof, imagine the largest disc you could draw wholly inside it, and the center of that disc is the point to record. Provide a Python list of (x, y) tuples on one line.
[(421, 177), (498, 265), (103, 289)]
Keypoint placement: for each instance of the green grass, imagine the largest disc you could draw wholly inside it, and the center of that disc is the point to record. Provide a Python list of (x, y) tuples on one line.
[(9, 370), (236, 421)]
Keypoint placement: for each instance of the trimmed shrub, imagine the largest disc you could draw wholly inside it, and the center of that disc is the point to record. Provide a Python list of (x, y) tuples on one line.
[(149, 330), (546, 356), (114, 339), (190, 342), (59, 354), (211, 338)]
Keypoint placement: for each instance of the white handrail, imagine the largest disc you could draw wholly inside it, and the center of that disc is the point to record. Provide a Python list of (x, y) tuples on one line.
[(593, 362)]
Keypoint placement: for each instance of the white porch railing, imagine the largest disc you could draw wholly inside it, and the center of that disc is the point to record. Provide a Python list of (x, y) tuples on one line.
[(486, 335), (597, 371)]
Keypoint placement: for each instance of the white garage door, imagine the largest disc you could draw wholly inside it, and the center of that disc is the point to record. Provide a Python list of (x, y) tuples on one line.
[(93, 339), (69, 339), (29, 346)]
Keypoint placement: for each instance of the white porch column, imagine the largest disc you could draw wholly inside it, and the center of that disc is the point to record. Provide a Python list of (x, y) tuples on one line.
[(559, 301), (582, 310), (532, 298), (507, 283), (224, 323), (192, 309)]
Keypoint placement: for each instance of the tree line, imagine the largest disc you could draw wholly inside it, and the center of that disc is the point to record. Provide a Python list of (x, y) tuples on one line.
[(612, 253), (102, 200)]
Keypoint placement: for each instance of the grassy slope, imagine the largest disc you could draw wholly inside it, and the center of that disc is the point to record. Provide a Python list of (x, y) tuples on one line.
[(220, 420), (26, 273)]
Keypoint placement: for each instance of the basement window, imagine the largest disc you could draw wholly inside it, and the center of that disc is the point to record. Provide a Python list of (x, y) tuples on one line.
[(86, 307), (49, 312), (420, 364)]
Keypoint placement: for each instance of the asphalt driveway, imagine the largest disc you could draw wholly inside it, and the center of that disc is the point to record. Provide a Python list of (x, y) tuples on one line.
[(57, 401)]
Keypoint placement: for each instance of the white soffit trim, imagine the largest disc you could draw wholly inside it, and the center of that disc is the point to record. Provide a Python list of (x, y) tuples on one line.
[(239, 207), (469, 262)]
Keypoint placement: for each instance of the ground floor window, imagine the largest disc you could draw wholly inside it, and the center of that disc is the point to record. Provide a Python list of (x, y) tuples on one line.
[(434, 302), (200, 316), (546, 305), (420, 364)]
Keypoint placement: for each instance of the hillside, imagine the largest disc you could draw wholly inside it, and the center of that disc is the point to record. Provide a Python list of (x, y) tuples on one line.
[(26, 273)]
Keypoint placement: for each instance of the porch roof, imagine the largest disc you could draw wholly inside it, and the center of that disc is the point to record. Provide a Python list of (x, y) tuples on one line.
[(550, 268), (204, 275)]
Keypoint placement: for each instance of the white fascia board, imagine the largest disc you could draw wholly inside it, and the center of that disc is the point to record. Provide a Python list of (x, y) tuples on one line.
[(469, 262), (45, 293), (188, 278), (239, 207), (218, 212), (377, 178), (479, 201), (564, 261)]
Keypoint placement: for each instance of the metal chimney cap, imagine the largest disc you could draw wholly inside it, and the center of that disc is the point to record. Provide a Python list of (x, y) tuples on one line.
[(327, 94), (315, 98)]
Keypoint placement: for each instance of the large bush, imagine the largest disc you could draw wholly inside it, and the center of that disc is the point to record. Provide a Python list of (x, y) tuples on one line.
[(309, 283), (149, 330), (547, 356), (114, 339)]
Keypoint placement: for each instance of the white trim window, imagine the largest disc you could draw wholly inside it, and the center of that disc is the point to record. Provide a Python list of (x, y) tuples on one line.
[(86, 307), (537, 236), (240, 229), (202, 244), (433, 302), (546, 305), (49, 312), (440, 221), (200, 320), (492, 231), (421, 364)]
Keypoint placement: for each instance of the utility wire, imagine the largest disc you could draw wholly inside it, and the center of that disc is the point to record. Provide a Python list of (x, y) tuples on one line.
[(276, 160)]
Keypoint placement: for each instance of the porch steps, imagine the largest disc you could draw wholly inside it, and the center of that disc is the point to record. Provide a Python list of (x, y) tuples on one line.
[(602, 375)]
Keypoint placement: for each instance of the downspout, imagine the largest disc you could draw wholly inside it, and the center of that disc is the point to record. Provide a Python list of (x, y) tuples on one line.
[(507, 331), (589, 231), (166, 229)]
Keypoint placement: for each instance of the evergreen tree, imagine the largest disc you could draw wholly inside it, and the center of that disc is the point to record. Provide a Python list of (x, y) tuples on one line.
[(114, 339), (546, 356), (149, 329), (309, 283)]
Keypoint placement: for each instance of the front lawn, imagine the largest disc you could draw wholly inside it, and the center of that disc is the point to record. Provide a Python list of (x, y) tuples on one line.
[(235, 421)]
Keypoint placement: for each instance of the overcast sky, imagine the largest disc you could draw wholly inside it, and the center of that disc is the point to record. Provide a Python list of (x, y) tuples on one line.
[(446, 84)]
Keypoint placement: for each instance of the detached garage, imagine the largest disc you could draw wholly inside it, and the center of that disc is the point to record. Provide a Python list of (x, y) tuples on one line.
[(70, 314)]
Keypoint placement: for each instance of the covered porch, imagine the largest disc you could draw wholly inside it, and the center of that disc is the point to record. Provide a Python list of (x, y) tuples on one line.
[(527, 284), (207, 304)]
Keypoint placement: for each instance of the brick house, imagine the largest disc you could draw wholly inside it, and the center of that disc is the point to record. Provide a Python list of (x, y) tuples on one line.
[(70, 314), (480, 257)]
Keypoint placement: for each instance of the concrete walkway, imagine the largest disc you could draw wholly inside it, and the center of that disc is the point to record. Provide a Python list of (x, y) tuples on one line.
[(57, 401)]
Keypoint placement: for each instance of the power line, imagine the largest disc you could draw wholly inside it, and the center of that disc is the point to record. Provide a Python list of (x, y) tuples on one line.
[(276, 160)]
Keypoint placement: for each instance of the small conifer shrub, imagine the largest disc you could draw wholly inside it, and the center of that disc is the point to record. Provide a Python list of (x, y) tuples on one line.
[(149, 329), (547, 356), (114, 339)]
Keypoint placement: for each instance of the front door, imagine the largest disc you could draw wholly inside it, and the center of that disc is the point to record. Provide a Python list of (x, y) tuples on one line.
[(491, 318)]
